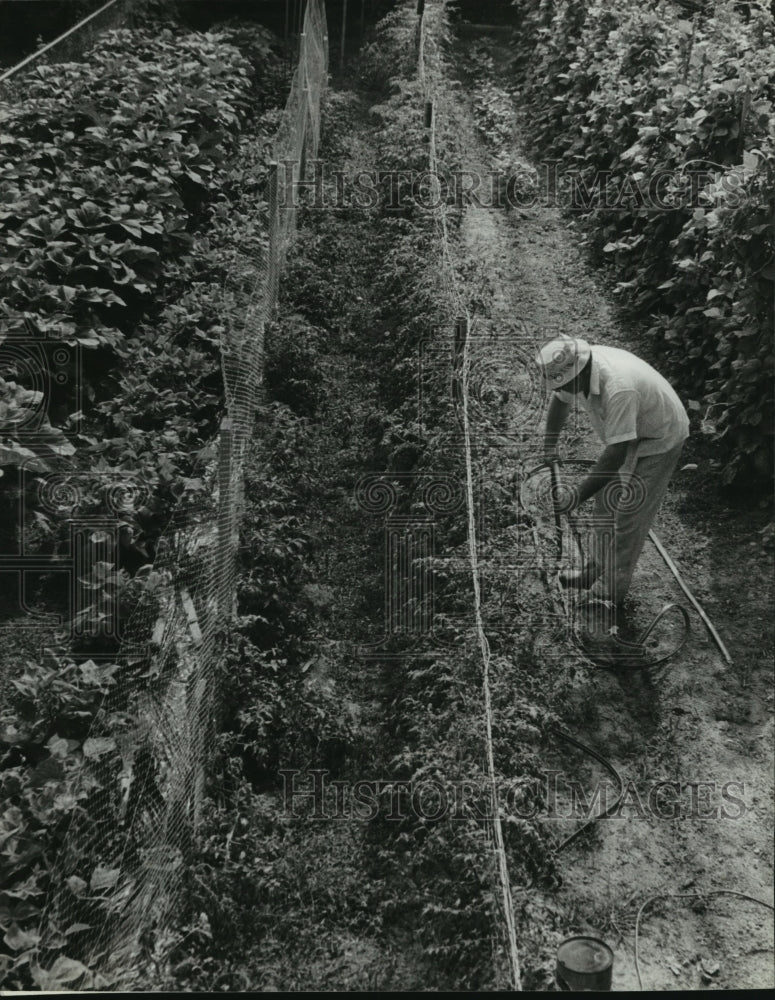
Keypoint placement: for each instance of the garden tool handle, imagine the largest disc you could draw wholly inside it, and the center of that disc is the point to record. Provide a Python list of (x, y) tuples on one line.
[(554, 469)]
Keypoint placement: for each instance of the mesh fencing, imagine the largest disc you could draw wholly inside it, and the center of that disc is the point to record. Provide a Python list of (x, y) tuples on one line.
[(137, 796)]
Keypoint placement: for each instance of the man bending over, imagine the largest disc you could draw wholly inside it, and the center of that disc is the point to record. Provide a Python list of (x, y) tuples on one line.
[(643, 425)]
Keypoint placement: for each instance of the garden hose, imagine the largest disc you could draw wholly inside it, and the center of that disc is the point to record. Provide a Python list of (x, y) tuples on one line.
[(562, 735), (637, 648), (556, 731)]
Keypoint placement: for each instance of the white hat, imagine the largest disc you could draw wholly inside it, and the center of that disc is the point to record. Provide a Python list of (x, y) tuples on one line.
[(561, 359)]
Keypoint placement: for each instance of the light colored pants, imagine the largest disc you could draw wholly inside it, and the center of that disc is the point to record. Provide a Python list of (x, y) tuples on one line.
[(621, 524)]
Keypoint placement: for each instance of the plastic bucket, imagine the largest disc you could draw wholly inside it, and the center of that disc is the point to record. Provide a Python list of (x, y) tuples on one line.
[(584, 963)]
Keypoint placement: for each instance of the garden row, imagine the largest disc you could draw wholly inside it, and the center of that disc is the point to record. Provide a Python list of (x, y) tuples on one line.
[(122, 178), (440, 871), (133, 182), (662, 126)]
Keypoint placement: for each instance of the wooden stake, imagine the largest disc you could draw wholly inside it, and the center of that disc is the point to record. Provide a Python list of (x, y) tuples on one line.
[(303, 73), (745, 108), (273, 228), (344, 33), (419, 46), (461, 336), (303, 157)]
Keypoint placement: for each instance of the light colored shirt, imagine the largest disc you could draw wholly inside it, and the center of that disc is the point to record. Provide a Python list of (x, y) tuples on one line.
[(629, 401)]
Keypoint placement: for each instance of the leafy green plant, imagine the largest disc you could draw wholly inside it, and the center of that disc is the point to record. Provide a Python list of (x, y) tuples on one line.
[(44, 741), (391, 55), (125, 204), (292, 368)]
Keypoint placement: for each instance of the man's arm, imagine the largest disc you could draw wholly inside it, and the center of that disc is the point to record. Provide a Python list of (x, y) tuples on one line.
[(621, 432), (555, 421), (602, 472)]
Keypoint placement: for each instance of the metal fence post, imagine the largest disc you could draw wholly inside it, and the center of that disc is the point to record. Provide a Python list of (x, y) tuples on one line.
[(272, 274), (305, 102), (224, 556), (344, 33)]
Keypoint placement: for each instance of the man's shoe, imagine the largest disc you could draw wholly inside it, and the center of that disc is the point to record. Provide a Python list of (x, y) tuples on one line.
[(608, 651), (627, 629)]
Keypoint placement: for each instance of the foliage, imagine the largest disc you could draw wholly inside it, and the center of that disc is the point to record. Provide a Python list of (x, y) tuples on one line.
[(44, 740), (19, 407), (280, 709), (126, 207), (286, 708), (124, 211), (281, 702), (663, 130), (392, 54), (114, 166), (258, 892), (292, 369), (436, 874), (108, 163)]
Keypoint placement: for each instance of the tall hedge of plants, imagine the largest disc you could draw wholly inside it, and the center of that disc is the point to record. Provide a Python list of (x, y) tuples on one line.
[(664, 119)]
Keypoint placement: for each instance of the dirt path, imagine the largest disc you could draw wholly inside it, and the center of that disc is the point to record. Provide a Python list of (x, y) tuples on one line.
[(703, 721)]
